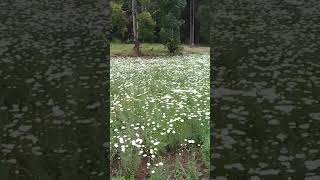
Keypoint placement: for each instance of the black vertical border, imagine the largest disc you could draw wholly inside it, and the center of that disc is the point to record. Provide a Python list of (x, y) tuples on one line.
[(265, 90), (54, 89)]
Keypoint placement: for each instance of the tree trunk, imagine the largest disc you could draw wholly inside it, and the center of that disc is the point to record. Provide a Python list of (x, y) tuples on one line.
[(190, 23), (136, 47), (197, 24), (191, 19)]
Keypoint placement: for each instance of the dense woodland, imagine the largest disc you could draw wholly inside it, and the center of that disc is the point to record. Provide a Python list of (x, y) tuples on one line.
[(170, 22)]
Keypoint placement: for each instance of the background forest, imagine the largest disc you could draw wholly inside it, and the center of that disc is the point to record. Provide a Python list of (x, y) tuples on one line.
[(169, 22)]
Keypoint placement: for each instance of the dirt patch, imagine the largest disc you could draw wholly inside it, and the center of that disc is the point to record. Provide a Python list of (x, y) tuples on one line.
[(115, 166), (183, 155), (142, 172), (170, 158)]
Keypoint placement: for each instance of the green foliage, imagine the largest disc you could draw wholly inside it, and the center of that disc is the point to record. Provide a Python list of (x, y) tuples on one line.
[(204, 19), (144, 2), (146, 26), (170, 22), (123, 178), (160, 21), (161, 173), (174, 46), (206, 150), (129, 161), (119, 21)]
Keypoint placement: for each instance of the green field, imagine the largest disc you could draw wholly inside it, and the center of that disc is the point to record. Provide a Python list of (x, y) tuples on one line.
[(160, 117), (152, 49)]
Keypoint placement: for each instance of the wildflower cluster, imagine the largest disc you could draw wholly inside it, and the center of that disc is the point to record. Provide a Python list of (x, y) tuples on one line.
[(158, 103)]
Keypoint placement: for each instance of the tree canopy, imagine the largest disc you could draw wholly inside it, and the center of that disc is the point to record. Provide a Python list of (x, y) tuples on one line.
[(170, 22)]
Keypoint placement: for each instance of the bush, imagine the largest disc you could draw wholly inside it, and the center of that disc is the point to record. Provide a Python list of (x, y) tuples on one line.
[(173, 46), (170, 33)]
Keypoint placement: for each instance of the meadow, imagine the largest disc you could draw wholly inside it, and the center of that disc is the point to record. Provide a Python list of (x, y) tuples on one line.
[(160, 117)]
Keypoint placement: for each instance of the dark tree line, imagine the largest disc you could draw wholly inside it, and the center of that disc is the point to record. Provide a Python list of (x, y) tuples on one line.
[(170, 22), (197, 23)]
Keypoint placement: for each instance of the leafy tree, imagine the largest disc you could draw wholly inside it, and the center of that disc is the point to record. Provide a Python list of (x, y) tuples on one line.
[(144, 4), (164, 21), (170, 23), (119, 21), (146, 26)]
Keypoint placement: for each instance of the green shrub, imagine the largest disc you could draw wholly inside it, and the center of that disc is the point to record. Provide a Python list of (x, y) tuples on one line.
[(174, 46)]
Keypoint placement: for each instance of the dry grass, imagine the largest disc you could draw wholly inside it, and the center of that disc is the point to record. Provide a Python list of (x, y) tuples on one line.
[(153, 49)]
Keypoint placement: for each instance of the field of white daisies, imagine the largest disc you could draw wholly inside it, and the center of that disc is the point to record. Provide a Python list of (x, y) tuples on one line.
[(160, 117)]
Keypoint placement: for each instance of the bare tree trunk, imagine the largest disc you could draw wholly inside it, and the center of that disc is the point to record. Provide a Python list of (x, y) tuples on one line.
[(136, 47), (196, 22), (193, 22), (191, 19), (190, 23)]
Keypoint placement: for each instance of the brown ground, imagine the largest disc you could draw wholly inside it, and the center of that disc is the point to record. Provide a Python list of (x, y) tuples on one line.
[(115, 165), (152, 50), (142, 173)]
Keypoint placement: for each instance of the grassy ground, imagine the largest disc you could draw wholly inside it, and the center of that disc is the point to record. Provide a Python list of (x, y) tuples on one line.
[(160, 117), (148, 49)]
